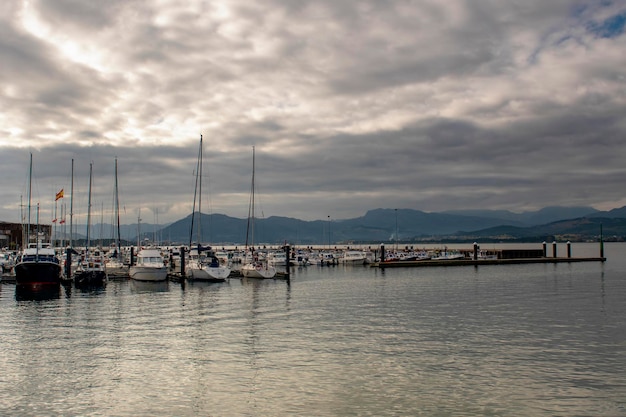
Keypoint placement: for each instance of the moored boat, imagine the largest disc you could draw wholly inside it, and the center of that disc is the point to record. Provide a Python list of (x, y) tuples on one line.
[(91, 270), (257, 267), (38, 265), (149, 265), (203, 265), (353, 257)]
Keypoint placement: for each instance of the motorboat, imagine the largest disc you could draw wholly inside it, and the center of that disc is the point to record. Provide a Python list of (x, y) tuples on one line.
[(353, 257), (149, 265)]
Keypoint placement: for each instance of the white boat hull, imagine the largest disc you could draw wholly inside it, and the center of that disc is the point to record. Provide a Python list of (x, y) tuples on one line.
[(146, 273), (208, 273), (258, 271)]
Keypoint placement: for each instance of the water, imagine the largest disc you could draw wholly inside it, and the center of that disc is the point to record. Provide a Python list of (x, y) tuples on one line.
[(540, 340)]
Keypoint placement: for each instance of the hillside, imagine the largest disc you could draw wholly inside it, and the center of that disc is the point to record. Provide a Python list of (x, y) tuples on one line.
[(380, 225)]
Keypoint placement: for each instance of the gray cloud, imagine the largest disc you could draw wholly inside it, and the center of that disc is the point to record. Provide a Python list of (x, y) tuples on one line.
[(407, 104)]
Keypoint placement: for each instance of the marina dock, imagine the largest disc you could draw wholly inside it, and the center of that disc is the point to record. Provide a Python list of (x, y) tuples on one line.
[(476, 262)]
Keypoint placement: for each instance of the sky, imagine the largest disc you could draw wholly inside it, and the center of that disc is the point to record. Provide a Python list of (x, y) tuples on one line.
[(349, 105)]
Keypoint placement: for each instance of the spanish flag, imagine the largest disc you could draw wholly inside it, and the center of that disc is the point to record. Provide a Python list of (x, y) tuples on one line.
[(59, 195)]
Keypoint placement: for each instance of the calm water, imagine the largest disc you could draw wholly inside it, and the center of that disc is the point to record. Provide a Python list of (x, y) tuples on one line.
[(532, 340)]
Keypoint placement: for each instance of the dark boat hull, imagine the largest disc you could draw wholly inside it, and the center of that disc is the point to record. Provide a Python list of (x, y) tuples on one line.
[(90, 279), (38, 273)]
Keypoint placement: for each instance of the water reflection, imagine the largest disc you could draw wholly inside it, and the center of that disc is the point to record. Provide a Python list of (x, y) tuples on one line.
[(28, 292), (149, 286)]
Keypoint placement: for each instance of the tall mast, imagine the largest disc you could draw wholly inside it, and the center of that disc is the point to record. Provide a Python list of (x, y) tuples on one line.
[(30, 186), (72, 206), (117, 214), (250, 229), (195, 194), (89, 208)]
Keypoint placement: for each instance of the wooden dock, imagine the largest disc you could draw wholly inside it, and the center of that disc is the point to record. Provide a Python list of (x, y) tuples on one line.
[(476, 262)]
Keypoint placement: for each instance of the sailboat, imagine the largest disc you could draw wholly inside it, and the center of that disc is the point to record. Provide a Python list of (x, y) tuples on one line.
[(115, 262), (203, 264), (91, 270), (256, 268), (38, 263)]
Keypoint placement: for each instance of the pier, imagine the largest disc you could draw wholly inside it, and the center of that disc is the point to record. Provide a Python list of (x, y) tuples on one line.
[(476, 256), (466, 262)]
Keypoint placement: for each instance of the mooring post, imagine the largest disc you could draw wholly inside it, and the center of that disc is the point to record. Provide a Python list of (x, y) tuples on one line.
[(545, 250), (601, 243), (569, 249), (554, 249), (182, 262), (132, 255), (475, 251), (382, 253), (288, 256), (68, 263)]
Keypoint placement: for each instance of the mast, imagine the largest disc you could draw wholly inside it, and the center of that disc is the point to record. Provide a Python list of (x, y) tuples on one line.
[(195, 194), (117, 215), (30, 186), (89, 209), (72, 207), (250, 228)]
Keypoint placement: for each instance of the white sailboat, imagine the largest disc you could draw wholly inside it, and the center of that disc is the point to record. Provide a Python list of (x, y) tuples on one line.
[(257, 268), (115, 261), (203, 264)]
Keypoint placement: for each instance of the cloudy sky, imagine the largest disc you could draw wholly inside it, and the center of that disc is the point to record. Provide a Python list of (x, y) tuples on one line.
[(350, 105)]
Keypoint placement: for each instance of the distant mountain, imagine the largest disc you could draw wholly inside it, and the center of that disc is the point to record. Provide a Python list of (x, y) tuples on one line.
[(532, 218), (611, 214), (580, 229), (387, 225)]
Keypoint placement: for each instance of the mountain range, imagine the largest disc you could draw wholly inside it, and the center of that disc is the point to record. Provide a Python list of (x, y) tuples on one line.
[(386, 225)]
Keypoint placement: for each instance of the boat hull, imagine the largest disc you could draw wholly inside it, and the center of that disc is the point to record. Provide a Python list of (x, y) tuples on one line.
[(257, 271), (209, 273), (38, 273), (140, 273), (90, 279)]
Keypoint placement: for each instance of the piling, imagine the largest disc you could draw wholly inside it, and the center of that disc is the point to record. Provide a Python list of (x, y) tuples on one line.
[(382, 253), (475, 251), (68, 263), (182, 262), (554, 249), (545, 250), (601, 243), (569, 249), (287, 249), (132, 256)]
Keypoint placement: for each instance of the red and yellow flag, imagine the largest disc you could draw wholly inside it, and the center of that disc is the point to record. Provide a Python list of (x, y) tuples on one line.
[(59, 195)]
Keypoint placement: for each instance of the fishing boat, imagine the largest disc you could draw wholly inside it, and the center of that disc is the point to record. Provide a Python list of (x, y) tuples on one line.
[(149, 265), (37, 264), (91, 270), (258, 267), (202, 264)]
